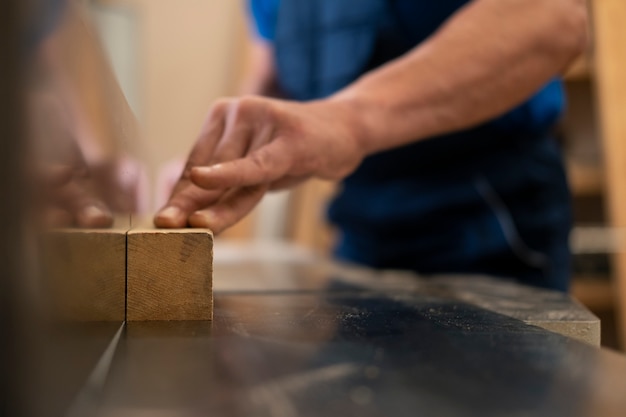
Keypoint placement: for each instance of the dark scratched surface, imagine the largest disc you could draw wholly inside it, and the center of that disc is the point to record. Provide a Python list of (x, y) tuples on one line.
[(345, 348)]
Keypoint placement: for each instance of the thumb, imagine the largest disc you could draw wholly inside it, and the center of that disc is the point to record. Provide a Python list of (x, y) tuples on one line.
[(264, 166)]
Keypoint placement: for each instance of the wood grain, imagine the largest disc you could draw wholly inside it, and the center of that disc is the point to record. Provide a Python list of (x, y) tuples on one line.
[(610, 59), (170, 275), (85, 274)]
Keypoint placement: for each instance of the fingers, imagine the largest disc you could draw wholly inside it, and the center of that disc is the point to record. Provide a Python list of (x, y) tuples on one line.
[(226, 189), (186, 198), (94, 215), (264, 166), (287, 182), (55, 175), (210, 135), (56, 217), (231, 208), (87, 213), (170, 217), (190, 197), (235, 140), (235, 128), (87, 210), (182, 204)]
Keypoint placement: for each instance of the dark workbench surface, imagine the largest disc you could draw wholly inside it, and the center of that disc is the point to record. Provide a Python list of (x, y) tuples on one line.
[(308, 339)]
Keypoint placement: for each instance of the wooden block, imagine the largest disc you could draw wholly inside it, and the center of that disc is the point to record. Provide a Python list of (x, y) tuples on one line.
[(170, 275), (85, 274)]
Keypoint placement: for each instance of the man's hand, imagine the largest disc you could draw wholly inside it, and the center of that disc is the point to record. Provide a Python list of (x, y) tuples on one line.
[(75, 203), (251, 145), (65, 192)]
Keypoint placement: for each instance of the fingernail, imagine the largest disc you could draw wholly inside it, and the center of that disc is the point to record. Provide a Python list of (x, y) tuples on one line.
[(94, 216), (170, 213), (93, 212), (204, 219), (209, 169)]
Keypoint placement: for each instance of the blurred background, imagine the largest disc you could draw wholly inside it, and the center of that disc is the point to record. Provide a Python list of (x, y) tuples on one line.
[(112, 97)]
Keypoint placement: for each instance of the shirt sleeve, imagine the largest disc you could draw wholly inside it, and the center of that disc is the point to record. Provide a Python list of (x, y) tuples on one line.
[(264, 14)]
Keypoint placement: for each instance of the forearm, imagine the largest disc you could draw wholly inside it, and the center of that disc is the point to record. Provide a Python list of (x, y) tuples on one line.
[(491, 56)]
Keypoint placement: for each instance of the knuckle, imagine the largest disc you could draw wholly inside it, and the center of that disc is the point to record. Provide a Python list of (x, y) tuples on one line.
[(219, 218), (273, 113), (189, 165), (192, 162), (245, 107), (251, 191), (260, 161), (221, 221), (215, 118), (219, 108)]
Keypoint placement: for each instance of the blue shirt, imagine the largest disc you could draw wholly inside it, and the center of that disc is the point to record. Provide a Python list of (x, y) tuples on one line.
[(422, 18), (492, 199), (265, 14)]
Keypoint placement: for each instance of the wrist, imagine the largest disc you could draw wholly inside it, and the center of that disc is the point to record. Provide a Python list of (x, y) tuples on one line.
[(336, 130), (357, 116)]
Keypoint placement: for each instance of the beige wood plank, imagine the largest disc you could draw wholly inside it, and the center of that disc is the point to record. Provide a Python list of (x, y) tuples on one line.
[(307, 224), (169, 275), (610, 56), (85, 274)]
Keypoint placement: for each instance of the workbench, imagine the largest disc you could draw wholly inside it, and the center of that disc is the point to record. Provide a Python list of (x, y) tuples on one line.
[(301, 336)]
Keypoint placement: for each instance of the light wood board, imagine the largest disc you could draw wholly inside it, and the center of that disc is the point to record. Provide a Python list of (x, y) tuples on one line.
[(169, 275), (85, 274)]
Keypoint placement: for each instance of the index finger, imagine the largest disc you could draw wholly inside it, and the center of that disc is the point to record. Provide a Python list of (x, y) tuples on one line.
[(186, 198), (263, 166)]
